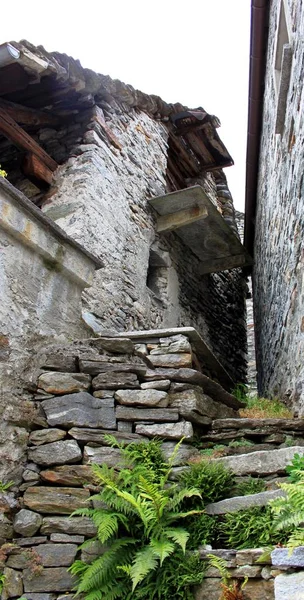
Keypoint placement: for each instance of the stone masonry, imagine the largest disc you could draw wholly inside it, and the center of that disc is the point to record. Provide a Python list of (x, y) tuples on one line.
[(279, 262)]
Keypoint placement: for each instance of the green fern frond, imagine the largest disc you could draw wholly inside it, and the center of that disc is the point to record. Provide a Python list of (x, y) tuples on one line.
[(162, 548), (219, 564), (178, 498), (179, 535), (144, 562), (296, 539)]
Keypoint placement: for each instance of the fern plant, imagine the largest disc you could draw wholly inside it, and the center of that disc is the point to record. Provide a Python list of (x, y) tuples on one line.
[(2, 172), (138, 519), (288, 511)]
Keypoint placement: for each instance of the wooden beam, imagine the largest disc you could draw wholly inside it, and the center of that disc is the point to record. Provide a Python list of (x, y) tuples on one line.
[(223, 264), (28, 116), (36, 170), (181, 218), (10, 129)]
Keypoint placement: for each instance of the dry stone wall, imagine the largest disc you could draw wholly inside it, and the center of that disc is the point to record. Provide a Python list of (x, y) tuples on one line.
[(100, 199), (279, 262), (134, 391)]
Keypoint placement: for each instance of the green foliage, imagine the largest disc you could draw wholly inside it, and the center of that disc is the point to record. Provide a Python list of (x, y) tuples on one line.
[(240, 392), (288, 511), (2, 580), (216, 450), (265, 408), (141, 525), (296, 468), (174, 579), (203, 529), (2, 172), (250, 528), (242, 442), (252, 485), (5, 486), (213, 480)]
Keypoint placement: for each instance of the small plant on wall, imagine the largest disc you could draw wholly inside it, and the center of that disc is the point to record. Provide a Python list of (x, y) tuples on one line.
[(2, 172), (140, 522)]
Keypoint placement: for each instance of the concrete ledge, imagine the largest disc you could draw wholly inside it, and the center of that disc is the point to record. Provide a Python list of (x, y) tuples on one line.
[(22, 220)]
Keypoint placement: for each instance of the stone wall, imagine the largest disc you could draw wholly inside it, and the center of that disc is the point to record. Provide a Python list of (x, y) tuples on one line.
[(279, 260), (84, 391), (43, 274), (100, 199)]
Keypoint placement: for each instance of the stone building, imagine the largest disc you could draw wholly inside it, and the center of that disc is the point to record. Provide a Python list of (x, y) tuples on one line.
[(275, 195), (99, 159)]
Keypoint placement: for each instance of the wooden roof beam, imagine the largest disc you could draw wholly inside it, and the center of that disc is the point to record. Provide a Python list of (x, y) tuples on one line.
[(11, 130), (28, 116)]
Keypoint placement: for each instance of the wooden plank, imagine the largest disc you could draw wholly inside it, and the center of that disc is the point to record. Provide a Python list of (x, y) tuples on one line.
[(35, 170), (10, 129), (28, 116), (181, 218), (223, 264)]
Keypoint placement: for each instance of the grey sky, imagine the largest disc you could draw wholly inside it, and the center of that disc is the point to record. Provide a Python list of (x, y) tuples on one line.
[(194, 52)]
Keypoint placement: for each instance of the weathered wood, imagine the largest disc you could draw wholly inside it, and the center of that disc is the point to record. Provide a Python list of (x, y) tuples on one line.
[(181, 218), (225, 263), (10, 129), (26, 115), (35, 169)]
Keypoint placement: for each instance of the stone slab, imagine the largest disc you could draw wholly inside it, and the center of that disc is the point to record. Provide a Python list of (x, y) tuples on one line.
[(76, 475), (63, 538), (124, 413), (115, 380), (12, 586), (46, 436), (156, 385), (70, 526), (62, 452), (56, 579), (97, 436), (102, 456), (277, 424), (191, 376), (95, 367), (230, 505), (171, 431), (282, 557), (145, 398), (115, 345), (63, 383), (261, 463), (56, 555), (175, 361), (184, 454), (80, 410), (59, 361), (56, 500), (197, 407), (289, 586)]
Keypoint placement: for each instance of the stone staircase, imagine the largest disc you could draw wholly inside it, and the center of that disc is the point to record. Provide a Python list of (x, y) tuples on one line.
[(135, 390)]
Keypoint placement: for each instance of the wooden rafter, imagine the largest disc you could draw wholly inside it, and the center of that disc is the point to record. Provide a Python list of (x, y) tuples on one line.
[(27, 116), (11, 130)]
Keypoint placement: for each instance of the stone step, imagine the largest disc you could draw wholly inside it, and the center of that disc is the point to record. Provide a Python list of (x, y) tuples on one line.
[(259, 424), (237, 503), (266, 462)]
